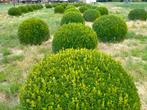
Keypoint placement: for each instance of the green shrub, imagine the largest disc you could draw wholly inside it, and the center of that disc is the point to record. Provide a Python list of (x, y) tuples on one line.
[(30, 8), (103, 10), (48, 5), (14, 11), (72, 10), (74, 36), (79, 80), (70, 6), (33, 31), (110, 28), (72, 17), (137, 14), (24, 9), (64, 5), (59, 9), (77, 4), (35, 7), (83, 9), (91, 14)]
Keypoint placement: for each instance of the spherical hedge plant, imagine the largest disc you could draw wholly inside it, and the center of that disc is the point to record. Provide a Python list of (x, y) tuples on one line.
[(30, 8), (83, 9), (72, 10), (74, 36), (24, 9), (91, 14), (137, 14), (103, 10), (110, 28), (79, 80), (72, 17), (48, 5), (14, 11), (59, 9), (70, 6), (33, 31)]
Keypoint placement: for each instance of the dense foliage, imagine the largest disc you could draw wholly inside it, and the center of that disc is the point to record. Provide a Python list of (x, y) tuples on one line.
[(14, 11), (83, 9), (24, 9), (103, 10), (72, 10), (59, 9), (137, 14), (91, 14), (74, 36), (33, 31), (47, 5), (79, 80), (110, 28), (72, 17)]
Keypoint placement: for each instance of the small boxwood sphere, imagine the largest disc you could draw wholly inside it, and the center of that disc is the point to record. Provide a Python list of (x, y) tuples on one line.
[(91, 14), (74, 36), (14, 11), (103, 10), (72, 10), (24, 9), (70, 6), (83, 9), (48, 5), (59, 9), (33, 31), (110, 28), (72, 17), (79, 80), (137, 14), (30, 8)]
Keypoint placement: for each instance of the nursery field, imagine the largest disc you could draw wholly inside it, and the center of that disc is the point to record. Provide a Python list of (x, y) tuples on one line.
[(17, 59)]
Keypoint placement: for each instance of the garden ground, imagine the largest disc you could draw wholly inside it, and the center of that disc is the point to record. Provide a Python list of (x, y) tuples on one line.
[(16, 59)]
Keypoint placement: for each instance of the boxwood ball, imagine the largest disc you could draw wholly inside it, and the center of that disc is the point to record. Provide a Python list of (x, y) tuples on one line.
[(79, 80)]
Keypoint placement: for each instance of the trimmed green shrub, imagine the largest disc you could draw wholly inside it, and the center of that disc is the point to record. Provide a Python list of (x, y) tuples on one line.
[(103, 10), (33, 31), (48, 5), (137, 14), (30, 8), (70, 6), (72, 17), (14, 11), (74, 36), (59, 9), (91, 14), (77, 4), (83, 9), (72, 10), (35, 7), (24, 9), (110, 28), (79, 80)]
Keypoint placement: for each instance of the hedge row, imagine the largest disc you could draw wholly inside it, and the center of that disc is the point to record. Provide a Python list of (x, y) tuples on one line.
[(17, 11)]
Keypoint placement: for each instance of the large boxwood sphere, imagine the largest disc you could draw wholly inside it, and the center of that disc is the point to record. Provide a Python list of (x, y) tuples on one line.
[(137, 14), (79, 80), (14, 11), (103, 10), (91, 14), (74, 36), (33, 31), (110, 28), (72, 17), (59, 9)]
